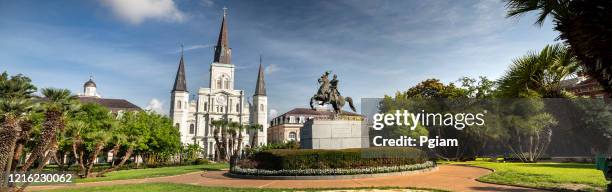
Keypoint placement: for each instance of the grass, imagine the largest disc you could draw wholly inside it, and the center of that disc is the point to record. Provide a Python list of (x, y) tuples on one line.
[(153, 172), (558, 176), (165, 187)]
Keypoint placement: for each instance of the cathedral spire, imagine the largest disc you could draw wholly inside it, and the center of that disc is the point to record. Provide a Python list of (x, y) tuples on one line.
[(180, 84), (223, 54), (260, 88)]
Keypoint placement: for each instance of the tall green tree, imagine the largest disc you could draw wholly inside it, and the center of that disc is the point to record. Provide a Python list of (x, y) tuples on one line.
[(93, 129), (528, 127), (583, 24), (163, 140)]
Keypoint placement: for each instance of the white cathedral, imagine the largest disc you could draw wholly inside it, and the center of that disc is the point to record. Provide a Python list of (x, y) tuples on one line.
[(219, 101)]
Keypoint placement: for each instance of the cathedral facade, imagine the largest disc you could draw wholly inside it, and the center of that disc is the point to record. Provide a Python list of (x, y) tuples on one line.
[(219, 101)]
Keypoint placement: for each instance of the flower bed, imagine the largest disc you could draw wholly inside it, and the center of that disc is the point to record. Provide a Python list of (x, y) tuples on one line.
[(335, 171)]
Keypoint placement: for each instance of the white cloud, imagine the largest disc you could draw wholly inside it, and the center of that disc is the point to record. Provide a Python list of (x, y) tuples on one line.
[(271, 69), (194, 47), (137, 11), (156, 105), (207, 3), (272, 114)]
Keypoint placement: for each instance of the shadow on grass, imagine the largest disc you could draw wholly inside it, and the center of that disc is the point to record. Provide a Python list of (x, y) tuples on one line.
[(500, 189), (561, 165)]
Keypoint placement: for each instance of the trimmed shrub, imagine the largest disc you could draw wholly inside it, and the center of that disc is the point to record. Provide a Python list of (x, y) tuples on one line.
[(337, 171), (287, 159), (201, 161)]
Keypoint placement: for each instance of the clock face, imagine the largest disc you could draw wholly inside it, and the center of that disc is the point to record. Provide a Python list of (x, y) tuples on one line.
[(220, 99)]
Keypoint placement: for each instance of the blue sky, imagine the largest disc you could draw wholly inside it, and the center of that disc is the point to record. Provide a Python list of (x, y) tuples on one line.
[(376, 47)]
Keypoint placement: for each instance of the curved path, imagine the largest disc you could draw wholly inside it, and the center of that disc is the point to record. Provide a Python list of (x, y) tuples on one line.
[(447, 177)]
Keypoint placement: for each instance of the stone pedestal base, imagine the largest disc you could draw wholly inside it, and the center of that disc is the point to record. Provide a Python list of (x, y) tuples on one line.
[(341, 133)]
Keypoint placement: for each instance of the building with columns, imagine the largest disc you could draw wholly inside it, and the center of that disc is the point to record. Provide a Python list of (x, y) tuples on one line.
[(218, 101)]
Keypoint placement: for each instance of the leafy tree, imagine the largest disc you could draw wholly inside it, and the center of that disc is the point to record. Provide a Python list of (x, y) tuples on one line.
[(93, 130), (192, 151), (390, 105), (481, 94), (433, 88), (434, 96), (479, 89), (589, 122), (163, 140), (74, 131), (131, 131), (528, 127), (583, 24)]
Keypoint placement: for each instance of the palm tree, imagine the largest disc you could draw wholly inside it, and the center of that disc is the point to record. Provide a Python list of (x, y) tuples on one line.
[(100, 139), (75, 131), (15, 105), (539, 73), (231, 138), (57, 103), (255, 129), (583, 24), (236, 129), (218, 127)]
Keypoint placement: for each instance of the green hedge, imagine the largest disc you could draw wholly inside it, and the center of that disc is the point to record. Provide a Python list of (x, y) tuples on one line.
[(292, 159)]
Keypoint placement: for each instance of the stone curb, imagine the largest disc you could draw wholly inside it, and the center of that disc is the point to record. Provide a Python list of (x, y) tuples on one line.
[(330, 177)]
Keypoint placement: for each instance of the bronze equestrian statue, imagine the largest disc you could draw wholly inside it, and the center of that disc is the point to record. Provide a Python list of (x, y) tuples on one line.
[(328, 94)]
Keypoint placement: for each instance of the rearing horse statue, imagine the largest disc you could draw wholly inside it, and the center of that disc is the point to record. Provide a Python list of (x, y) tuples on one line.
[(328, 94)]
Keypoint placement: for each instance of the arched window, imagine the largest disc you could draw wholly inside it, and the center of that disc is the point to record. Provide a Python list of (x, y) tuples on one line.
[(177, 125), (292, 136), (219, 84), (237, 107), (178, 104), (205, 106), (191, 129), (261, 107), (226, 82)]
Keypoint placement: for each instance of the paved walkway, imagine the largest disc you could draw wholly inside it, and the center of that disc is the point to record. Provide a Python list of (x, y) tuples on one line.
[(447, 177)]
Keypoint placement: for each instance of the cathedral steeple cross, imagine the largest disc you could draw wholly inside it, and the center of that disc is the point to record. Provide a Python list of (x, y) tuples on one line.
[(182, 49)]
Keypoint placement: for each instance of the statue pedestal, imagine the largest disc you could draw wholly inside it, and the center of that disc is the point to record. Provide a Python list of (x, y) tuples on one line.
[(341, 132)]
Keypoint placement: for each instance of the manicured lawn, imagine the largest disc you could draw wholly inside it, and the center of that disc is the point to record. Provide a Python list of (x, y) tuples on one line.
[(154, 172), (165, 187), (572, 176)]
